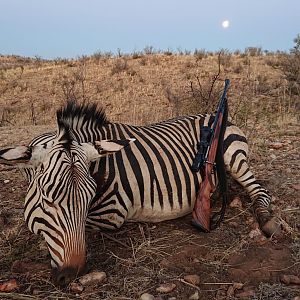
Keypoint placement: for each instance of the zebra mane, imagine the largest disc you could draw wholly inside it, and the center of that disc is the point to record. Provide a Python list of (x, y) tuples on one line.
[(80, 121)]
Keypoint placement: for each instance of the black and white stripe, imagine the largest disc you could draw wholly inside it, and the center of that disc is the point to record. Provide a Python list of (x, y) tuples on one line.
[(152, 179)]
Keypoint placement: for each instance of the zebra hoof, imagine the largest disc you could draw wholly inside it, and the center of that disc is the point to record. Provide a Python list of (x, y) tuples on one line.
[(271, 227)]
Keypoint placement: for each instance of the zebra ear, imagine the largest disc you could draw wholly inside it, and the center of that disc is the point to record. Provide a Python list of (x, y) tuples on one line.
[(15, 156), (105, 147)]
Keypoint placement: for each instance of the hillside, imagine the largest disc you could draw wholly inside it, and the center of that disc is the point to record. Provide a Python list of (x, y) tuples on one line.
[(143, 88)]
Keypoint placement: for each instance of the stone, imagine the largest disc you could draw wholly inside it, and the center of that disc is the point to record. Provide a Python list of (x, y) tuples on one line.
[(23, 266), (92, 278), (193, 279), (276, 145), (146, 296), (194, 296), (166, 288), (9, 286)]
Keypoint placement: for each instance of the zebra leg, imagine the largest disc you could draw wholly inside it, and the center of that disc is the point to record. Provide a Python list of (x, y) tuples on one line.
[(235, 157)]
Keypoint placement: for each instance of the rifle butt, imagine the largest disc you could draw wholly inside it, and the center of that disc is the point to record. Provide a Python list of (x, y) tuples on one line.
[(201, 214)]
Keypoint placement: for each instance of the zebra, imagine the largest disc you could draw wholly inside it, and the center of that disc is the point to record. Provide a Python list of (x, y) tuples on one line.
[(93, 174)]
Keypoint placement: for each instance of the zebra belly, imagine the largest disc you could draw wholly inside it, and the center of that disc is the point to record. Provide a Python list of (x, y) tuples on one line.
[(148, 214)]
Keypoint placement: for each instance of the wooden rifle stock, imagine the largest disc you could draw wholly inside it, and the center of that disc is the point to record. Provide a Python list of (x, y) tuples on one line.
[(201, 212)]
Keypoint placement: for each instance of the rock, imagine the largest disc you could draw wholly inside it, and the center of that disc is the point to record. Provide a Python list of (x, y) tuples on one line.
[(23, 266), (193, 279), (236, 203), (166, 288), (195, 296), (146, 296), (92, 278), (290, 279), (6, 181), (273, 156), (276, 145), (76, 287), (171, 298), (296, 298), (9, 286)]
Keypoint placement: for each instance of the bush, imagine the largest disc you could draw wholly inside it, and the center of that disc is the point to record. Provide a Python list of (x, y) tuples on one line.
[(290, 65), (254, 51), (200, 54), (225, 58)]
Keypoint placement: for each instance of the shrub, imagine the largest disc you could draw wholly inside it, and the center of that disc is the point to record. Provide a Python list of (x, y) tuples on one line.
[(225, 58), (148, 50), (168, 52), (254, 51), (119, 66), (136, 55), (290, 66), (200, 54)]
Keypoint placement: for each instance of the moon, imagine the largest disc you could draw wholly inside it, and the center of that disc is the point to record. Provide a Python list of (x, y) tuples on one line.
[(225, 24)]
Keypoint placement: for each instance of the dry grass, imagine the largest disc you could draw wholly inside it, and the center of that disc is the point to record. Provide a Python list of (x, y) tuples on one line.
[(144, 88), (31, 90)]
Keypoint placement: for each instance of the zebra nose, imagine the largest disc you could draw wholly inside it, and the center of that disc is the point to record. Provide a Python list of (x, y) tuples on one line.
[(65, 276)]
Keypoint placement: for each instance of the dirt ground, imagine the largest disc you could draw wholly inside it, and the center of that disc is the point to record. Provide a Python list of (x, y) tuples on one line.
[(233, 262)]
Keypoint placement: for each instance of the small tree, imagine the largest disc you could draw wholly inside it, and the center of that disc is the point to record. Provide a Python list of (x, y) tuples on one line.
[(296, 49), (291, 67)]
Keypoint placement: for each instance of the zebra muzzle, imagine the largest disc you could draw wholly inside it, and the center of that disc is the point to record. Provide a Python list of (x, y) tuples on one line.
[(74, 268), (65, 276)]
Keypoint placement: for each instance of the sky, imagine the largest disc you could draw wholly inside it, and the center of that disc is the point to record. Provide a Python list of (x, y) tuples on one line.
[(71, 28)]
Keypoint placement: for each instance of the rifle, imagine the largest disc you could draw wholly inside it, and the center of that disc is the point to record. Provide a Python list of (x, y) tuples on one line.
[(208, 157)]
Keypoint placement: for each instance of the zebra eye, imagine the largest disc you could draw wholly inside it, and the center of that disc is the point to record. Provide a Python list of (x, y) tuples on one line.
[(99, 148), (42, 168)]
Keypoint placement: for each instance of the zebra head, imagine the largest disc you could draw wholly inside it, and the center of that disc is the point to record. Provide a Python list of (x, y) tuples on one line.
[(61, 186)]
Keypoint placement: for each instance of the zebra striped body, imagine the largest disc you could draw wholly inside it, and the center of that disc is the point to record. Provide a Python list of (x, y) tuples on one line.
[(150, 180)]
